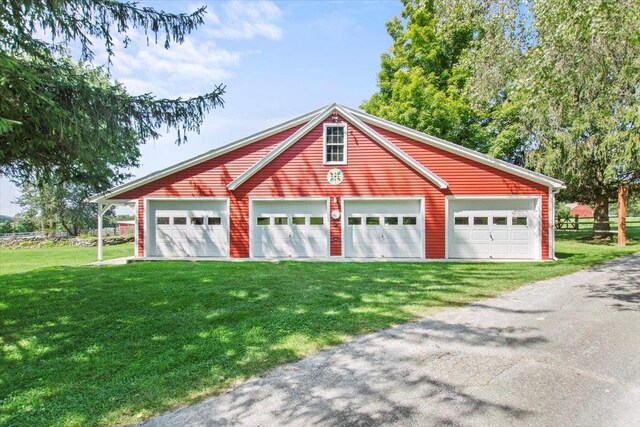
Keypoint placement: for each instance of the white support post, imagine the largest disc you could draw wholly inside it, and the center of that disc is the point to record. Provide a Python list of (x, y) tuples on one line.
[(100, 212), (102, 209)]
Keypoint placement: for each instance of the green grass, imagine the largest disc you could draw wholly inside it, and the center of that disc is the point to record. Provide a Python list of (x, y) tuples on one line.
[(25, 259), (117, 344)]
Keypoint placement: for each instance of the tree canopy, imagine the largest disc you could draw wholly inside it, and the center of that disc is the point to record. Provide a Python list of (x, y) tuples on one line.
[(420, 84), (554, 84), (65, 121), (59, 205)]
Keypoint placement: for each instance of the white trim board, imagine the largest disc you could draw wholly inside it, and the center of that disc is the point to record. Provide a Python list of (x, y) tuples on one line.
[(205, 156), (354, 121), (345, 128), (458, 149), (389, 146), (281, 148), (355, 116)]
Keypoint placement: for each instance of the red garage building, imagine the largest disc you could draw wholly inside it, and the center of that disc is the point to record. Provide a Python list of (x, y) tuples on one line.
[(337, 182)]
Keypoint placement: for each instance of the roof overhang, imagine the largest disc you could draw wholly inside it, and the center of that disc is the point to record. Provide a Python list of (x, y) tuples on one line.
[(115, 191), (458, 149), (281, 148), (359, 119)]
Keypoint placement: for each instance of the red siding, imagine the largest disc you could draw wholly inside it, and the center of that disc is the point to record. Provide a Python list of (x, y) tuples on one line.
[(140, 226), (371, 171)]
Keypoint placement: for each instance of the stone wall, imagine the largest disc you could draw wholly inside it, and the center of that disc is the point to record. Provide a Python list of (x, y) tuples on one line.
[(37, 241)]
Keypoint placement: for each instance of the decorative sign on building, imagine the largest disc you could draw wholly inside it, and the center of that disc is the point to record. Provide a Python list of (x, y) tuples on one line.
[(335, 176)]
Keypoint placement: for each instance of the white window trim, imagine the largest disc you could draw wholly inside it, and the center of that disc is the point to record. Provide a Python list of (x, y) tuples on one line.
[(324, 143)]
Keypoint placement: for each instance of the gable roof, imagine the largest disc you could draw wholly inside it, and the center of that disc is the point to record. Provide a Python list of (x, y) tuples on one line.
[(357, 123), (458, 149), (358, 118), (216, 152)]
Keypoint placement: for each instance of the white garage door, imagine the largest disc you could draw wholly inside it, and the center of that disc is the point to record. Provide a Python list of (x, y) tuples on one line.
[(289, 229), (383, 228), (188, 228), (494, 229)]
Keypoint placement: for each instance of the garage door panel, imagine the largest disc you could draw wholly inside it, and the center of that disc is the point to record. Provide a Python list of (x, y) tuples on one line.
[(289, 233), (500, 235), (480, 235), (493, 228), (378, 228), (522, 250), (180, 235), (520, 235), (501, 249), (182, 228), (199, 235), (461, 234), (163, 234)]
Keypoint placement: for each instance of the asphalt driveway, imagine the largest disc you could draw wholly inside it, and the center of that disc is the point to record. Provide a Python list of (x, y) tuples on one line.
[(564, 351)]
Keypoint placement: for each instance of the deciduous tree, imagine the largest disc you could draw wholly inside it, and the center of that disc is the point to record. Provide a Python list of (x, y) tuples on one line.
[(420, 84), (55, 205)]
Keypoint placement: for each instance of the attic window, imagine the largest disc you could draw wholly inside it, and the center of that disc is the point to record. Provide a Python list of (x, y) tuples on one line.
[(335, 144)]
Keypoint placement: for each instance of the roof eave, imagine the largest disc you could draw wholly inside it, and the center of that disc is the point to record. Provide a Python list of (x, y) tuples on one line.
[(422, 170), (211, 154), (315, 121), (460, 150)]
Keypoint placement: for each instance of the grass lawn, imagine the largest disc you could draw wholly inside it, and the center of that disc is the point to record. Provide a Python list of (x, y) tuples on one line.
[(25, 259), (117, 344)]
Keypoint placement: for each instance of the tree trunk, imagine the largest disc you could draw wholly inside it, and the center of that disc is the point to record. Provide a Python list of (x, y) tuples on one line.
[(622, 216), (601, 216)]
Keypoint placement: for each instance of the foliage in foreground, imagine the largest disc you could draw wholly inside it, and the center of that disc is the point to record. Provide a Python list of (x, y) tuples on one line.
[(68, 120), (114, 345)]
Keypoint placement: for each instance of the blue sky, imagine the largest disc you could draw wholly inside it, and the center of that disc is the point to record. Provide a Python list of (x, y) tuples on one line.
[(277, 59)]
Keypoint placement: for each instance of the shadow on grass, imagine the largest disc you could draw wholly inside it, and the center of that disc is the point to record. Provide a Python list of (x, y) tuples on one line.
[(112, 345), (115, 344)]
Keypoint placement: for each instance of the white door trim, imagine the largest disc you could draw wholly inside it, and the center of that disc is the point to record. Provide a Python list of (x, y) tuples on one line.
[(136, 230), (383, 198), (552, 223), (538, 210), (147, 199), (327, 221)]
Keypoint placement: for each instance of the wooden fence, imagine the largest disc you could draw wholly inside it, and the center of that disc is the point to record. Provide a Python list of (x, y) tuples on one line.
[(586, 223)]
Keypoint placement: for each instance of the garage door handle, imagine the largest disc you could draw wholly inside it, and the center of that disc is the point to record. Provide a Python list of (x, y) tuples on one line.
[(491, 236), (289, 236), (382, 236)]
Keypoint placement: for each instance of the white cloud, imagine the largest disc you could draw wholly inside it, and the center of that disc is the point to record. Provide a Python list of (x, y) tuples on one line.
[(200, 63), (241, 20), (183, 70)]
